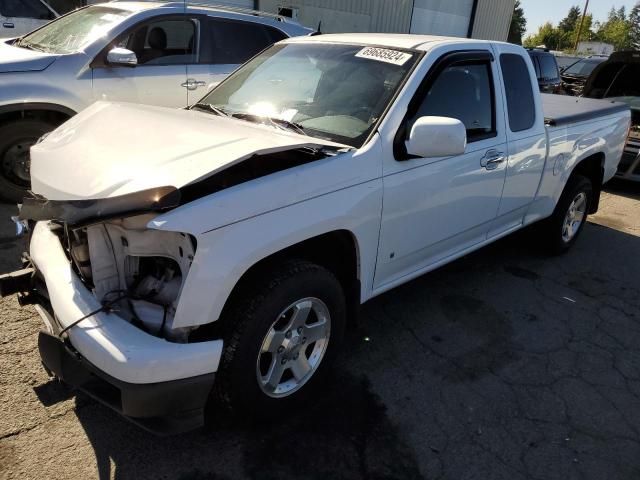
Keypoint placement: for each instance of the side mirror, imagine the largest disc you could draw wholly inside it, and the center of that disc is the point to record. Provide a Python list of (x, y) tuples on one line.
[(437, 137), (121, 57)]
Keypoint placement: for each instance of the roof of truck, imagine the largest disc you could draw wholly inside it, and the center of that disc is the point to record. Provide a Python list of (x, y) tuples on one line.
[(394, 40)]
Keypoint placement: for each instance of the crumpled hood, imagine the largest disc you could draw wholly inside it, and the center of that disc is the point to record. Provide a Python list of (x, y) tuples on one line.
[(15, 59), (113, 149)]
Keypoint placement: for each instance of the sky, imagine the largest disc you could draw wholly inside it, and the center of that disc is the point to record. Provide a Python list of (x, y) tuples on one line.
[(537, 12)]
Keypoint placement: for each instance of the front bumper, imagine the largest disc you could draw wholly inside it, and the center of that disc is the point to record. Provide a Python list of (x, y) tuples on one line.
[(161, 385), (163, 408)]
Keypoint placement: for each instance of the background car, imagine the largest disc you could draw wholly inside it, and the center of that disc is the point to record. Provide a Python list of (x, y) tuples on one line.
[(618, 79), (546, 67), (575, 75), (565, 61), (18, 17), (151, 53)]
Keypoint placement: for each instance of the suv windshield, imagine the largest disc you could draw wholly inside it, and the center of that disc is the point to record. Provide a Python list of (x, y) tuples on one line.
[(73, 32), (584, 67), (331, 91)]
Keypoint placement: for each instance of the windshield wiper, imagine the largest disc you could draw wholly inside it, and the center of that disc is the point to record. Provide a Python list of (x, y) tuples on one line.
[(276, 122), (210, 108)]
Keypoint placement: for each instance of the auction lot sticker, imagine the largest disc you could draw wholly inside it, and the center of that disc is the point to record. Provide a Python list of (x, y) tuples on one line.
[(384, 55)]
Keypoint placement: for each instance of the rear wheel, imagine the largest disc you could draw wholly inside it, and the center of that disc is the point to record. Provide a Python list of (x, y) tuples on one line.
[(283, 332), (16, 139), (562, 229)]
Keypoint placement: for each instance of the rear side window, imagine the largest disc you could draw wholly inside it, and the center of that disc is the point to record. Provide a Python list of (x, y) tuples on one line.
[(234, 42), (548, 67), (25, 9), (517, 85), (464, 92)]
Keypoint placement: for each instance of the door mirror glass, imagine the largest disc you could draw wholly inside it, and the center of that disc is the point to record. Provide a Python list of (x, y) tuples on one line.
[(122, 57), (437, 137)]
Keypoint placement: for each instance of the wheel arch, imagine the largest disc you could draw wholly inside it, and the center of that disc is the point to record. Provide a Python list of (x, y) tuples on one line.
[(592, 167), (337, 251), (49, 112)]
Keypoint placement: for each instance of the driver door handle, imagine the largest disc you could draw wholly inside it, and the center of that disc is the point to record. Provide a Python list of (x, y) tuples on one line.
[(8, 25), (192, 84), (492, 159)]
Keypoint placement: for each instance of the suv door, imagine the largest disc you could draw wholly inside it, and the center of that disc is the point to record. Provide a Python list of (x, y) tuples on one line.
[(18, 17), (435, 208), (163, 47), (226, 44)]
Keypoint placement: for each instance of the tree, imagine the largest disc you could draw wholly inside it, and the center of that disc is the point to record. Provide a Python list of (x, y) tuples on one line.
[(634, 27), (547, 35), (518, 24), (570, 22), (616, 30)]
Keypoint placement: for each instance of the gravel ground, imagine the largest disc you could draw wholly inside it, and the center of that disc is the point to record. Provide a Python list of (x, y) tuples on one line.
[(505, 364)]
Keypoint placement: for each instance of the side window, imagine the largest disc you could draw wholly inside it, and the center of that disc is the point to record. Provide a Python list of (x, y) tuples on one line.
[(519, 91), (464, 92), (25, 9), (548, 67), (165, 42), (234, 42)]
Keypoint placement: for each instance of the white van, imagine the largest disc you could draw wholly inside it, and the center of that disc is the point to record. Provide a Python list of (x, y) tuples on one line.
[(18, 17)]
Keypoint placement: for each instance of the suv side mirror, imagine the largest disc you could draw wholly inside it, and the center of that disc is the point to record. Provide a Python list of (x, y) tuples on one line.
[(437, 137), (121, 57)]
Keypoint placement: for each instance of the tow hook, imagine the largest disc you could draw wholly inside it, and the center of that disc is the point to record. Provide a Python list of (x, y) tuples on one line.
[(22, 226)]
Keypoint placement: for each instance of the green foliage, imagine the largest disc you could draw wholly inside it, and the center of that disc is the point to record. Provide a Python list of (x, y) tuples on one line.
[(620, 30), (518, 25)]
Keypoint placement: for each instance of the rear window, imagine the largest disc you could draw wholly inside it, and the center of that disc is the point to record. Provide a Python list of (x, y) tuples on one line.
[(548, 67), (517, 86)]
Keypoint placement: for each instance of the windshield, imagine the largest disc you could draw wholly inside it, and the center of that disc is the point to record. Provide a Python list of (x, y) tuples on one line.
[(584, 67), (73, 32), (335, 92)]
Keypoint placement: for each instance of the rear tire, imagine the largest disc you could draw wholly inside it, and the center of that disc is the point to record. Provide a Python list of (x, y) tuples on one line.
[(16, 138), (269, 367), (560, 231)]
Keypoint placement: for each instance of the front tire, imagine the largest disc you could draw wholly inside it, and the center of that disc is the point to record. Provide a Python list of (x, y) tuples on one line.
[(562, 229), (283, 331), (16, 138)]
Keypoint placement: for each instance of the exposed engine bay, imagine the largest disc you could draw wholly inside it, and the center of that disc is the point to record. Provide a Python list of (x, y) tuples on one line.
[(136, 271)]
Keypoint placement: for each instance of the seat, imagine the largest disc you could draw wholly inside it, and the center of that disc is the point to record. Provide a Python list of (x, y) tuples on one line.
[(157, 45)]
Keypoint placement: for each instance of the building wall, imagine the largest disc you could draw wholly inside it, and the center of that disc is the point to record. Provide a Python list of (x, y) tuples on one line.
[(339, 16), (492, 20)]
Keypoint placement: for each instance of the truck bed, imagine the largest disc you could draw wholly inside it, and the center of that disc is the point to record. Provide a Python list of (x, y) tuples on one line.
[(562, 109)]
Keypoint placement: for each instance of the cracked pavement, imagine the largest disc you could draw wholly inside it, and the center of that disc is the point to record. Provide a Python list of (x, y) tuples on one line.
[(506, 364)]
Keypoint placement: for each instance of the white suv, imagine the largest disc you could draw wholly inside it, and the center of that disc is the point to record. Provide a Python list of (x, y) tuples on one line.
[(165, 54), (18, 17)]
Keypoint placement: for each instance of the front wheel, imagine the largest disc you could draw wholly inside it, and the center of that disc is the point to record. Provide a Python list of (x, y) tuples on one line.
[(283, 332), (562, 229), (16, 139)]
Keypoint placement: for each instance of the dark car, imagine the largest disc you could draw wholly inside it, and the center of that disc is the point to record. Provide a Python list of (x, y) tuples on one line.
[(575, 75), (618, 79), (546, 68)]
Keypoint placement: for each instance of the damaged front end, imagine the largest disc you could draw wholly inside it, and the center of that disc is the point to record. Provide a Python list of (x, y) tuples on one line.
[(107, 288)]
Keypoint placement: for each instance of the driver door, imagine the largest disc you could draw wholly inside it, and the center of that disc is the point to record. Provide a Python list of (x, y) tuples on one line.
[(164, 47), (436, 208)]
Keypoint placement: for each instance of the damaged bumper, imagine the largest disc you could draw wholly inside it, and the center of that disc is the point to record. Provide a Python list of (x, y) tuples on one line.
[(159, 384)]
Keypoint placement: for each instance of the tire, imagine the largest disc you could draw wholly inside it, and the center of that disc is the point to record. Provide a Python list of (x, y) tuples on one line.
[(556, 235), (257, 310), (15, 140)]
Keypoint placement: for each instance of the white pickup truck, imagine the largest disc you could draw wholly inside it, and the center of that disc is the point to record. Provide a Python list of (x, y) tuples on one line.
[(235, 240)]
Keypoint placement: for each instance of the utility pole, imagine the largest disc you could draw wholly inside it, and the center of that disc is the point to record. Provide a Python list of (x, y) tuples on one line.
[(584, 14)]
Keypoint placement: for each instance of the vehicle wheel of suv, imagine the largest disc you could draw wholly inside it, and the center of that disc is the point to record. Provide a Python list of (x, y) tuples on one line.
[(16, 139), (562, 229), (283, 332)]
